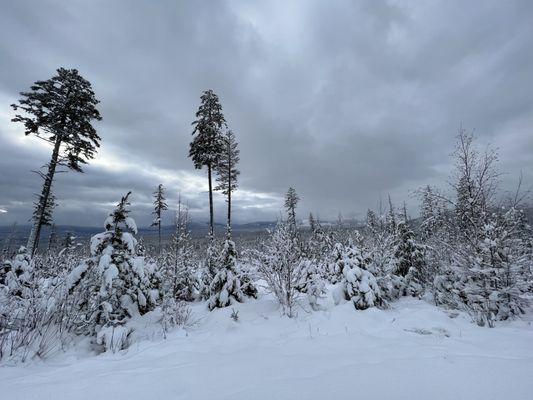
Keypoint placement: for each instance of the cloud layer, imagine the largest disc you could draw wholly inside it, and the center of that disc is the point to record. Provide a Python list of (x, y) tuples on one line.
[(346, 101)]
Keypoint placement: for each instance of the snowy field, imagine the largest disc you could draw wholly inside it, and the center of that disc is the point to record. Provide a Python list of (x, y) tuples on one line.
[(412, 351)]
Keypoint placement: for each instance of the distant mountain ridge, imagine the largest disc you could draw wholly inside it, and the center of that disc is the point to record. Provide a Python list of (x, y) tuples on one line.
[(196, 229)]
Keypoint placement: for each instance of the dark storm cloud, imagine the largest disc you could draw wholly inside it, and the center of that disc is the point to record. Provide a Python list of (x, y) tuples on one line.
[(345, 101)]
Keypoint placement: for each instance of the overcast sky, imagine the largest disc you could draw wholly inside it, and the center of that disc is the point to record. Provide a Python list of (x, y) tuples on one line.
[(346, 101)]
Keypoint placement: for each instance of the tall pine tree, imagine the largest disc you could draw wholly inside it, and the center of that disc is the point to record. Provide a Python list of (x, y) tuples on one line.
[(207, 145), (228, 172), (60, 111)]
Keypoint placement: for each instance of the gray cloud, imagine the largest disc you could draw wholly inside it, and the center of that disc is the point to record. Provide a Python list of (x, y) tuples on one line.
[(346, 102)]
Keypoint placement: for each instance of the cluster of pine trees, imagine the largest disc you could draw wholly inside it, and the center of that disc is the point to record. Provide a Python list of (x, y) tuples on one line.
[(469, 249)]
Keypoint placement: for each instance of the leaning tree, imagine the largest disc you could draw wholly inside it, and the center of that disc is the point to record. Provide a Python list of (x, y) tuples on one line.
[(60, 111), (207, 144)]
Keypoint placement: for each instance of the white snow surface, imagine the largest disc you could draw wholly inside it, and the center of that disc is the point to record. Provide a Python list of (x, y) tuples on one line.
[(412, 351)]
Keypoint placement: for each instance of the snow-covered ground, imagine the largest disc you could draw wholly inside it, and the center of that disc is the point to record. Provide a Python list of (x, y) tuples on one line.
[(411, 351)]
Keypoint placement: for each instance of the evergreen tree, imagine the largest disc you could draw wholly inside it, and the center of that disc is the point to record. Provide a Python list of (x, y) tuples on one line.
[(208, 145), (210, 267), (379, 243), (371, 220), (482, 265), (69, 241), (228, 284), (227, 172), (52, 239), (160, 205), (311, 283), (312, 223), (60, 111), (409, 261), (183, 279), (320, 246), (405, 217), (391, 217), (359, 284), (428, 213), (340, 221), (114, 284), (225, 288), (335, 269), (291, 201), (141, 248)]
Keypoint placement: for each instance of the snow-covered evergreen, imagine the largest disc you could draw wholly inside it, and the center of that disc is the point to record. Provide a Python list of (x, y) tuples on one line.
[(311, 283), (114, 284), (16, 275), (409, 262), (225, 288), (359, 285)]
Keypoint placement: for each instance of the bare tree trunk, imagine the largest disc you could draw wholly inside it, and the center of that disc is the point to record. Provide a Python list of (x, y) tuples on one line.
[(211, 230), (35, 233), (229, 215), (229, 203), (159, 228)]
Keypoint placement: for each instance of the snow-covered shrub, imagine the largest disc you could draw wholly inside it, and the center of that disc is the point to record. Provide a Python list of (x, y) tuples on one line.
[(320, 246), (175, 313), (335, 274), (184, 279), (114, 284), (489, 280), (311, 283), (174, 277), (279, 264), (16, 275), (480, 248), (176, 287), (226, 286), (209, 268), (359, 284), (248, 287), (141, 248), (34, 311), (408, 264), (379, 247)]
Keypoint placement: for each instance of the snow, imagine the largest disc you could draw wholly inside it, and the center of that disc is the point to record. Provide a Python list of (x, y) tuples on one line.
[(113, 337), (109, 221), (412, 351), (130, 241), (130, 223), (110, 273), (138, 266), (75, 275), (97, 240)]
